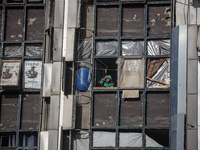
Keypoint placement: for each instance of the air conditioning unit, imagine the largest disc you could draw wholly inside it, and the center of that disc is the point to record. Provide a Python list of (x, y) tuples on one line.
[(133, 1)]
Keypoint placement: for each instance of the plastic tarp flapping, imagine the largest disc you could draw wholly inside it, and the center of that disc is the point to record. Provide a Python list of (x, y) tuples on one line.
[(158, 47), (126, 139), (151, 143), (135, 140), (132, 48), (106, 48), (12, 51), (103, 139), (81, 140), (84, 50), (131, 73), (34, 50), (162, 74)]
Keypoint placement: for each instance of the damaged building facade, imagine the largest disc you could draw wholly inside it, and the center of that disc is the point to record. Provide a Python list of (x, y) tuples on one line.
[(54, 54)]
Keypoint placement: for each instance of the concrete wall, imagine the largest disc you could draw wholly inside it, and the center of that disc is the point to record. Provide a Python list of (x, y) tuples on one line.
[(187, 12)]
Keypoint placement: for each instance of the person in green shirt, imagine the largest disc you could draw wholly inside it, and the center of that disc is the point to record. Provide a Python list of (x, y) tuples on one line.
[(107, 81)]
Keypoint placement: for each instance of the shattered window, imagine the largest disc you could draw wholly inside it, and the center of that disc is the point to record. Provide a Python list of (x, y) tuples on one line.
[(158, 73)]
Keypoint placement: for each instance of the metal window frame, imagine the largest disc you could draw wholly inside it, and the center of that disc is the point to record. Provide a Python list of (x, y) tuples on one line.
[(25, 5), (144, 91)]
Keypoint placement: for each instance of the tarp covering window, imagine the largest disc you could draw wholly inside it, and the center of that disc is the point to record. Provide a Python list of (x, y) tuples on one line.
[(126, 139), (129, 139), (108, 48), (158, 69), (34, 50), (131, 73), (81, 140), (84, 51), (103, 139), (158, 47), (132, 48), (12, 51)]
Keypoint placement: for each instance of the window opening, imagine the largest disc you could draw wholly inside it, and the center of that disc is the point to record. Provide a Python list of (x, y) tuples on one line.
[(103, 68)]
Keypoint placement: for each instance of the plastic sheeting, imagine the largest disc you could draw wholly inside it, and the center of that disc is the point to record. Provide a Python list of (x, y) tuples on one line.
[(131, 73), (151, 143), (126, 139), (81, 140), (130, 139), (132, 48), (106, 48), (162, 74), (84, 51), (103, 139), (12, 51), (158, 47), (34, 51)]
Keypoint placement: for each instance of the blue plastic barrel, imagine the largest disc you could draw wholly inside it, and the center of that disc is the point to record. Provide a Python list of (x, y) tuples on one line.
[(82, 83)]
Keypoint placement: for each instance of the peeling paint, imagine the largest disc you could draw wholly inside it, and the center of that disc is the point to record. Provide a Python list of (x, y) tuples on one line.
[(153, 21), (12, 36), (31, 21), (19, 22), (134, 18)]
